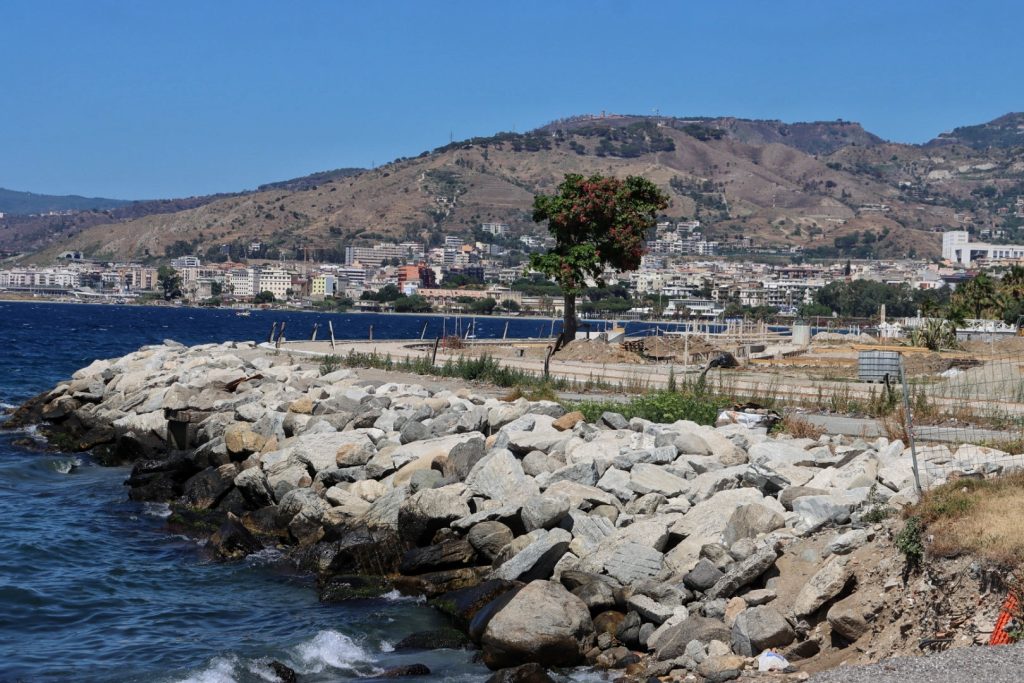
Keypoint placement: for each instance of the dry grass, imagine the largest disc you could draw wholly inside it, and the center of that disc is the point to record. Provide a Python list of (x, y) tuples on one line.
[(976, 516), (800, 428)]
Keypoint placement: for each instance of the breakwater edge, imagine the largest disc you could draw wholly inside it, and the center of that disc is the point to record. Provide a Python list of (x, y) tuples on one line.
[(619, 544)]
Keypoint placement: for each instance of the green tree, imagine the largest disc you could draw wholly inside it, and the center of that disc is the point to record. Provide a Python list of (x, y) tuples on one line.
[(510, 305), (598, 223), (412, 304), (169, 281), (264, 298), (216, 289), (484, 306), (978, 295)]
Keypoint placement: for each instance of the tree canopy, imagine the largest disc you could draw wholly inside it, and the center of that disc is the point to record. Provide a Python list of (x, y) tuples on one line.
[(598, 223)]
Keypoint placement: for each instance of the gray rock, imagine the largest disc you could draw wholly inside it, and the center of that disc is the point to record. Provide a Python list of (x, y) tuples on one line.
[(750, 521), (614, 420), (616, 482), (646, 505), (499, 476), (543, 512), (654, 456), (252, 484), (584, 473), (673, 643), (463, 456), (423, 513), (542, 623), (791, 493), (537, 560), (413, 431), (759, 628), (849, 541), (761, 596), (744, 573), (632, 562), (703, 576), (827, 583), (649, 609), (645, 478), (424, 479), (538, 462), (846, 620), (488, 538), (684, 442), (818, 511)]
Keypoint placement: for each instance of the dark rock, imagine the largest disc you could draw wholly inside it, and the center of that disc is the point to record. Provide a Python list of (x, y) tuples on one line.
[(573, 578), (159, 480), (672, 643), (363, 551), (333, 589), (717, 553), (628, 631), (448, 555), (366, 419), (703, 576), (233, 540), (488, 538), (744, 572), (284, 673), (463, 456), (439, 639), (205, 490), (596, 595), (433, 584), (407, 670), (524, 673), (462, 605), (614, 420), (791, 493), (608, 622)]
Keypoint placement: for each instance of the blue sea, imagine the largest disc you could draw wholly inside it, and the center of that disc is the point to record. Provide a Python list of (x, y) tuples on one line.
[(94, 587)]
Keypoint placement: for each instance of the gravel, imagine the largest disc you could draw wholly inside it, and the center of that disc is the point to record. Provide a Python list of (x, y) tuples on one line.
[(999, 664)]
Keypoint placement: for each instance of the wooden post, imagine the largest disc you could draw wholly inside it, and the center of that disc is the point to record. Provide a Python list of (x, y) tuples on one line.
[(371, 332), (280, 335), (433, 359), (312, 337), (423, 334), (547, 362), (273, 333), (330, 328), (504, 334)]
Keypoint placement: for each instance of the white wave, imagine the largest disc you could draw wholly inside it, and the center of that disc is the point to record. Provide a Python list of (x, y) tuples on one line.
[(385, 646), (220, 670), (395, 596), (161, 510), (329, 649), (66, 466), (7, 406)]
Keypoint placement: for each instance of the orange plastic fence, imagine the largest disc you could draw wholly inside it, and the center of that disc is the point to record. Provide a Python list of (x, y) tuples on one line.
[(999, 634)]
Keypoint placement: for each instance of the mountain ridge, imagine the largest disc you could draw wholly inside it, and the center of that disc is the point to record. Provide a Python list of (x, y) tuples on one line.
[(816, 185)]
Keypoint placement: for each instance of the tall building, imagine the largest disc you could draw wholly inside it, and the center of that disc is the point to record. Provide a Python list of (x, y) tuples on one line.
[(277, 281)]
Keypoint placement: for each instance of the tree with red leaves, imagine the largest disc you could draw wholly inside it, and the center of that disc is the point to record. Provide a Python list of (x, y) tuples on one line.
[(598, 223)]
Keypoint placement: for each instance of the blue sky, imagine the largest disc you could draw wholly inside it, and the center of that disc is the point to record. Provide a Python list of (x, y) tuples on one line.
[(141, 99)]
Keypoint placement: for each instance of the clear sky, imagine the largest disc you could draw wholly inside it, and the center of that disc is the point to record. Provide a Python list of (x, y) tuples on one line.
[(157, 98)]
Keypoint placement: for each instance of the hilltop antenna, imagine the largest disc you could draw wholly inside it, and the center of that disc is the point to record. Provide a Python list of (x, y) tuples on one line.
[(451, 137)]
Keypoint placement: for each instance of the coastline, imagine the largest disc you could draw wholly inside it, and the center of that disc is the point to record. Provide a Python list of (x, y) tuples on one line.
[(613, 544)]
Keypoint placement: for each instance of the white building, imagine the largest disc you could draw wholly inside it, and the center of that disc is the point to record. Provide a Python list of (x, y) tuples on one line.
[(183, 262), (242, 282), (958, 247), (48, 279), (496, 229), (274, 280)]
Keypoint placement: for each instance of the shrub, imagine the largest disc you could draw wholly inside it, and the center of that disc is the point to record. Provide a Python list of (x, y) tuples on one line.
[(330, 364)]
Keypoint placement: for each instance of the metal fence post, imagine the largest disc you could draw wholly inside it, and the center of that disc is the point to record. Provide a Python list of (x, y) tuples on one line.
[(909, 420)]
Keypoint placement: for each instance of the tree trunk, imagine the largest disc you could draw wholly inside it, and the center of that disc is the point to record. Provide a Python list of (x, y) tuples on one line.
[(568, 322)]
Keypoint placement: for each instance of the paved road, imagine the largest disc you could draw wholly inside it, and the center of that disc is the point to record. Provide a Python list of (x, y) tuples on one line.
[(871, 428), (980, 664)]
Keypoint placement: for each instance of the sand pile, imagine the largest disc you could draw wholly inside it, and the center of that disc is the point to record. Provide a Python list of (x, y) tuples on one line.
[(837, 338), (594, 351), (675, 348)]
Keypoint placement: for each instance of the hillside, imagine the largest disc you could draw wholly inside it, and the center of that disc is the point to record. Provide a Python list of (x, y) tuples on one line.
[(15, 202), (807, 184)]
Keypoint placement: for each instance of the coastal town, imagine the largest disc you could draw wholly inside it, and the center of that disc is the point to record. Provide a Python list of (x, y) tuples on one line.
[(682, 276)]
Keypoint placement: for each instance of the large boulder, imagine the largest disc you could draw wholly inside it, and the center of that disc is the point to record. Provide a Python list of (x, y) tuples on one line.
[(744, 572), (499, 476), (705, 523), (425, 512), (543, 623), (759, 628), (538, 559), (673, 642), (543, 512), (750, 521), (826, 584), (489, 537)]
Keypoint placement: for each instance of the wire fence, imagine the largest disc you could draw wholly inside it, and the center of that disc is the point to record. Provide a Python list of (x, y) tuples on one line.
[(966, 420)]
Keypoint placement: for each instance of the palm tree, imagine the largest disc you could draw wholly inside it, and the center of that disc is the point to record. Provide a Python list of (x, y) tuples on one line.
[(979, 295)]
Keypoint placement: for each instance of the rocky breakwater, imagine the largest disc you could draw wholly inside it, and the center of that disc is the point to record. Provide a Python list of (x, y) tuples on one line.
[(623, 544)]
